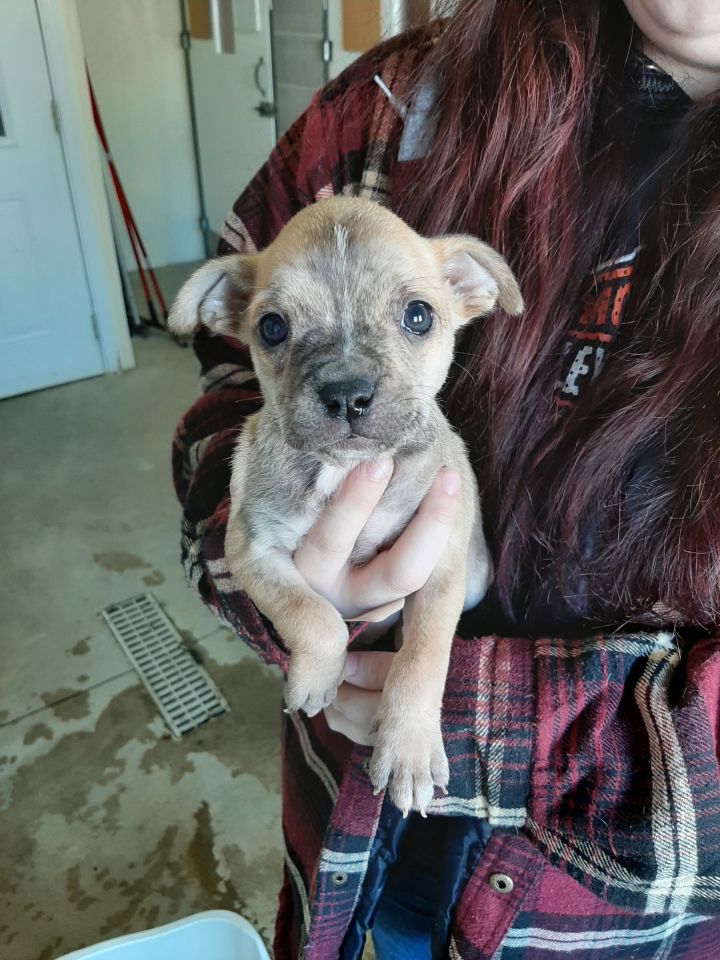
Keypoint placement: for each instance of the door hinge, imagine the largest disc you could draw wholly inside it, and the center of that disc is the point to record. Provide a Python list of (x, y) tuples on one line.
[(55, 111), (327, 51), (185, 39), (94, 321)]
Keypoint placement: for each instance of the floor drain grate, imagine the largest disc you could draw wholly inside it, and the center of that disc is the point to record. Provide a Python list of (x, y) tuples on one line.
[(184, 693)]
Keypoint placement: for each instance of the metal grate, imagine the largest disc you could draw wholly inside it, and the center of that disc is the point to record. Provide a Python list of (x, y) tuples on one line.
[(184, 693)]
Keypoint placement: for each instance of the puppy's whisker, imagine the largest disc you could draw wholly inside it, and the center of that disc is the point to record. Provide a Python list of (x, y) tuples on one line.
[(485, 359), (466, 371)]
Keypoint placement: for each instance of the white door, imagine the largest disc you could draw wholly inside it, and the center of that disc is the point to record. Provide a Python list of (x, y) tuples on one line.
[(47, 331), (301, 55), (235, 134)]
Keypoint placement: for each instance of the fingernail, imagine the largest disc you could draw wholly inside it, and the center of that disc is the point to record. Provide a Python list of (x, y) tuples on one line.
[(351, 665), (380, 469), (450, 483)]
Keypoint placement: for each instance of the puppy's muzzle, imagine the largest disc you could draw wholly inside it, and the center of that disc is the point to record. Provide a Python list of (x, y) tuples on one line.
[(347, 399)]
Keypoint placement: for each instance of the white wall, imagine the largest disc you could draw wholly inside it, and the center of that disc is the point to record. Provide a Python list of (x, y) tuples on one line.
[(392, 21), (341, 58), (133, 52)]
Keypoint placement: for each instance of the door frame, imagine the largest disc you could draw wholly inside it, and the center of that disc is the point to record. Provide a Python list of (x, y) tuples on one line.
[(60, 28)]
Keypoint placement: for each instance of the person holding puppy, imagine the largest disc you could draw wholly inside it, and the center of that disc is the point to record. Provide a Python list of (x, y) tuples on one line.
[(581, 710)]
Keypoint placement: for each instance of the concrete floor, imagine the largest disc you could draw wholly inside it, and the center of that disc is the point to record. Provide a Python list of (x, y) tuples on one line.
[(108, 825)]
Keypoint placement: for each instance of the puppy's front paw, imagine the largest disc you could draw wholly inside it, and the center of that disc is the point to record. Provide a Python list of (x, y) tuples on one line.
[(411, 760), (312, 682)]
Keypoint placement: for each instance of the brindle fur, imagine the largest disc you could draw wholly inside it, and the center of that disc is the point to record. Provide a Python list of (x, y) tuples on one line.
[(341, 272)]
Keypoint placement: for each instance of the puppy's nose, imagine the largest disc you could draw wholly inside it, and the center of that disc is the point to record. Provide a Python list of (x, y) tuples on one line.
[(347, 399)]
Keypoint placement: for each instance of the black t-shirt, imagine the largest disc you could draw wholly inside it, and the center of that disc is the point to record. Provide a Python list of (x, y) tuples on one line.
[(652, 105)]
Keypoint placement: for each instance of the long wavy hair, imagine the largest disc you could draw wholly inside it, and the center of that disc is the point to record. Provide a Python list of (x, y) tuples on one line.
[(526, 154)]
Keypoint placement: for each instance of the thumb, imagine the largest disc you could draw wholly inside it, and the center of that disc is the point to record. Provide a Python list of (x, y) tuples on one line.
[(368, 669)]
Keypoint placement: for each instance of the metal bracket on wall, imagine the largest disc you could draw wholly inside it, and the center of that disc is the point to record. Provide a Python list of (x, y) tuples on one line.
[(185, 42)]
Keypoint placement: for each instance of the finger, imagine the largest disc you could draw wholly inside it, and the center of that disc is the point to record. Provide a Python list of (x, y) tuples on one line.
[(338, 722), (368, 669), (357, 705), (406, 566), (327, 546), (379, 613)]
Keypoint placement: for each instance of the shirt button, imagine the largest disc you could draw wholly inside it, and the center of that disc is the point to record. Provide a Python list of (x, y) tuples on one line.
[(339, 879), (501, 882)]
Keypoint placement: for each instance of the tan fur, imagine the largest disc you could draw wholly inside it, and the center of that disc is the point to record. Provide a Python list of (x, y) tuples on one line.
[(340, 273)]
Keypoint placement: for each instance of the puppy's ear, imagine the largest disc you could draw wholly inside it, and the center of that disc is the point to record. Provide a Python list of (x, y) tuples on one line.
[(216, 295), (479, 277)]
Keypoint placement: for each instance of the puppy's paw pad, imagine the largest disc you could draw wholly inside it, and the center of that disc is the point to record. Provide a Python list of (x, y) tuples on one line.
[(310, 701), (310, 687), (411, 765)]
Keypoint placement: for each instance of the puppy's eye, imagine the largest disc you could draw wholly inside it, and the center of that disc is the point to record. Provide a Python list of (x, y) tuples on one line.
[(273, 329), (417, 317)]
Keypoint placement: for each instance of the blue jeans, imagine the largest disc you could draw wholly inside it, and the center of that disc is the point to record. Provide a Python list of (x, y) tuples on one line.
[(403, 931), (403, 925), (434, 859)]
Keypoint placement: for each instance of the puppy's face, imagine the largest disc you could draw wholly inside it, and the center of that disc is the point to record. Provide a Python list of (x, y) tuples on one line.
[(351, 318)]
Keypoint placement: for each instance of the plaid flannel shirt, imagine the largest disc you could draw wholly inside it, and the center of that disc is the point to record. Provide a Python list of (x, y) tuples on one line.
[(595, 760)]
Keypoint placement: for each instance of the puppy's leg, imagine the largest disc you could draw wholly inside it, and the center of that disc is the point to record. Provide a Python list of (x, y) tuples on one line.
[(311, 628), (409, 752)]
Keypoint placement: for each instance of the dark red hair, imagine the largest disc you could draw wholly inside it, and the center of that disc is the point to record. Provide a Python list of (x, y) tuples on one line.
[(525, 154)]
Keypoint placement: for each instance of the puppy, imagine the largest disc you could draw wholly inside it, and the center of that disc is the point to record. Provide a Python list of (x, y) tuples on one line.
[(351, 317)]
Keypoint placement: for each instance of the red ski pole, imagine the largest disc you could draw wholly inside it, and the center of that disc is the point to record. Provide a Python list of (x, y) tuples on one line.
[(136, 242)]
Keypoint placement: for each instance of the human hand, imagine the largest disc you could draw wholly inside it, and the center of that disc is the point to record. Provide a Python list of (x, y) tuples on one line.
[(358, 698), (378, 589)]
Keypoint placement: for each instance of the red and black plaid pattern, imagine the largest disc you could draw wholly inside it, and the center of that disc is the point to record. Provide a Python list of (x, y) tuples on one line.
[(595, 760)]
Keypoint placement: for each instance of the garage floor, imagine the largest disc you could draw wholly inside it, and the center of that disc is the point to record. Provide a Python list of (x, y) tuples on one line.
[(108, 825)]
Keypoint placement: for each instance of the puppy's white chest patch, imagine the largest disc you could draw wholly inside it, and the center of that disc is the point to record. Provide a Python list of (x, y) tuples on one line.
[(329, 479), (294, 525)]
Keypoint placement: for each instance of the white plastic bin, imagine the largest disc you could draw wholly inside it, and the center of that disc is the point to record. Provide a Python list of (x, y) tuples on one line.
[(213, 935)]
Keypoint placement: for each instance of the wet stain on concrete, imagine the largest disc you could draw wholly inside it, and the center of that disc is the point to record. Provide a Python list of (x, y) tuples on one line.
[(83, 678), (260, 873), (255, 720), (75, 893), (55, 784), (112, 815), (67, 704), (51, 951), (118, 561), (154, 579), (117, 829), (178, 766), (4, 714), (219, 892), (160, 872), (81, 647), (37, 732)]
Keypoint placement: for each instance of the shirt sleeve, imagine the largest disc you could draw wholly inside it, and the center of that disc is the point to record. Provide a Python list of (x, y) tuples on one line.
[(324, 153), (603, 750), (205, 437)]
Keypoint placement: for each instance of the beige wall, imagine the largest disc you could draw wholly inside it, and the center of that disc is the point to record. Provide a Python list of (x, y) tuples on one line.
[(133, 52)]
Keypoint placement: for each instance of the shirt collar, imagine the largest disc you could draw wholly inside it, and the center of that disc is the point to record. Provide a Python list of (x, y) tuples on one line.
[(655, 87)]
